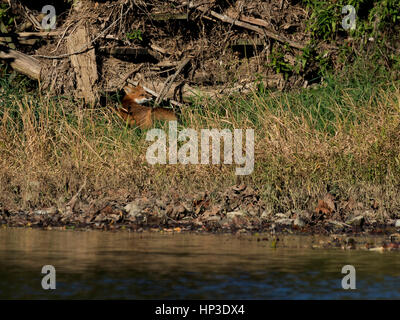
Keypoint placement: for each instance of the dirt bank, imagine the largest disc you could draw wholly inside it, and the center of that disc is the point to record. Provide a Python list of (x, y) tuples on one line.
[(238, 210)]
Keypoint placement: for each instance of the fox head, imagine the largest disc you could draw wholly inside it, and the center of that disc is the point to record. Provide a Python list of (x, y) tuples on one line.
[(138, 94)]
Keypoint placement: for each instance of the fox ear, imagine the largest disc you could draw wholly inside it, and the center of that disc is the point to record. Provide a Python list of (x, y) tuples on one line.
[(140, 84), (128, 89)]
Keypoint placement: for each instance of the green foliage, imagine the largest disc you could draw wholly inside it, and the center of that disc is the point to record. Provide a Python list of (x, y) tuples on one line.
[(135, 35), (5, 17), (371, 16), (279, 64), (324, 19), (385, 13)]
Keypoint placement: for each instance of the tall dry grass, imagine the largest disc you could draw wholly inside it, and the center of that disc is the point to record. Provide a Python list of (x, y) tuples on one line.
[(343, 137)]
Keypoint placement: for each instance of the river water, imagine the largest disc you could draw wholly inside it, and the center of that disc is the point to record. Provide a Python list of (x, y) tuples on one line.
[(124, 265)]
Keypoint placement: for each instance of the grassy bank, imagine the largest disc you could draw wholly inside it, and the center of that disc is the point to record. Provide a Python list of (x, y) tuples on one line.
[(342, 137)]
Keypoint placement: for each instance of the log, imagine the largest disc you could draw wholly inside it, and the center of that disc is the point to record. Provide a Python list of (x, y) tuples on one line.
[(27, 38), (21, 62), (188, 92), (84, 65)]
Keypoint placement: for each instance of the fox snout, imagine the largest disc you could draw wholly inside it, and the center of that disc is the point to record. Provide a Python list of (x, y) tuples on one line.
[(142, 100)]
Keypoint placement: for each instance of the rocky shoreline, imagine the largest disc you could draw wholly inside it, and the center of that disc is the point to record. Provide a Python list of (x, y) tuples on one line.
[(239, 210)]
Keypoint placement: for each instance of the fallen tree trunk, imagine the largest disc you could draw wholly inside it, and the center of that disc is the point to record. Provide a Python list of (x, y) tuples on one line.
[(21, 62), (189, 93)]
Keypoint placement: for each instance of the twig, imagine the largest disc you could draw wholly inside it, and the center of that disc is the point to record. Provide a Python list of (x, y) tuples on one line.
[(159, 49), (170, 80)]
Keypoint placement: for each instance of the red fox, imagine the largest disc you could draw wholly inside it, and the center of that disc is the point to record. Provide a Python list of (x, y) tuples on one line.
[(135, 114)]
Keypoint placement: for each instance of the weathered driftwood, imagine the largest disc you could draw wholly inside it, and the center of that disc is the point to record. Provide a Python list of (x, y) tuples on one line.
[(189, 93), (21, 62), (84, 65), (159, 49)]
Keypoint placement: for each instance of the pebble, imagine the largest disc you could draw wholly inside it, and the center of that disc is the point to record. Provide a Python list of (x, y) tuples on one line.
[(233, 214), (285, 221), (336, 224), (133, 209), (356, 221), (266, 215), (298, 222)]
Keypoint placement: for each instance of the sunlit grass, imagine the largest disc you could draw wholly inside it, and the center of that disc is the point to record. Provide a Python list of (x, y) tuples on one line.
[(342, 137)]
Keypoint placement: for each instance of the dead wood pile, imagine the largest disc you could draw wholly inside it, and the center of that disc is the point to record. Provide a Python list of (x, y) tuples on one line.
[(176, 48)]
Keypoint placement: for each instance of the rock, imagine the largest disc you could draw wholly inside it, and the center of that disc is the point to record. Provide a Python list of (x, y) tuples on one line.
[(337, 225), (233, 214), (49, 211), (284, 221), (133, 209), (356, 221), (224, 222), (298, 222), (213, 218), (267, 215), (397, 223)]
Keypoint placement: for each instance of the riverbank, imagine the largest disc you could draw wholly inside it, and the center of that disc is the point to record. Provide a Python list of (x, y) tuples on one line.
[(326, 159), (240, 211)]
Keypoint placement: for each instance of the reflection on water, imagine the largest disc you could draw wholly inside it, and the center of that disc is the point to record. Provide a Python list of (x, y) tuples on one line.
[(103, 265)]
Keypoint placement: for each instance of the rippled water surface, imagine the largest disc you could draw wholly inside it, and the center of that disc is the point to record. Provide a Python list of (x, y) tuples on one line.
[(105, 265)]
